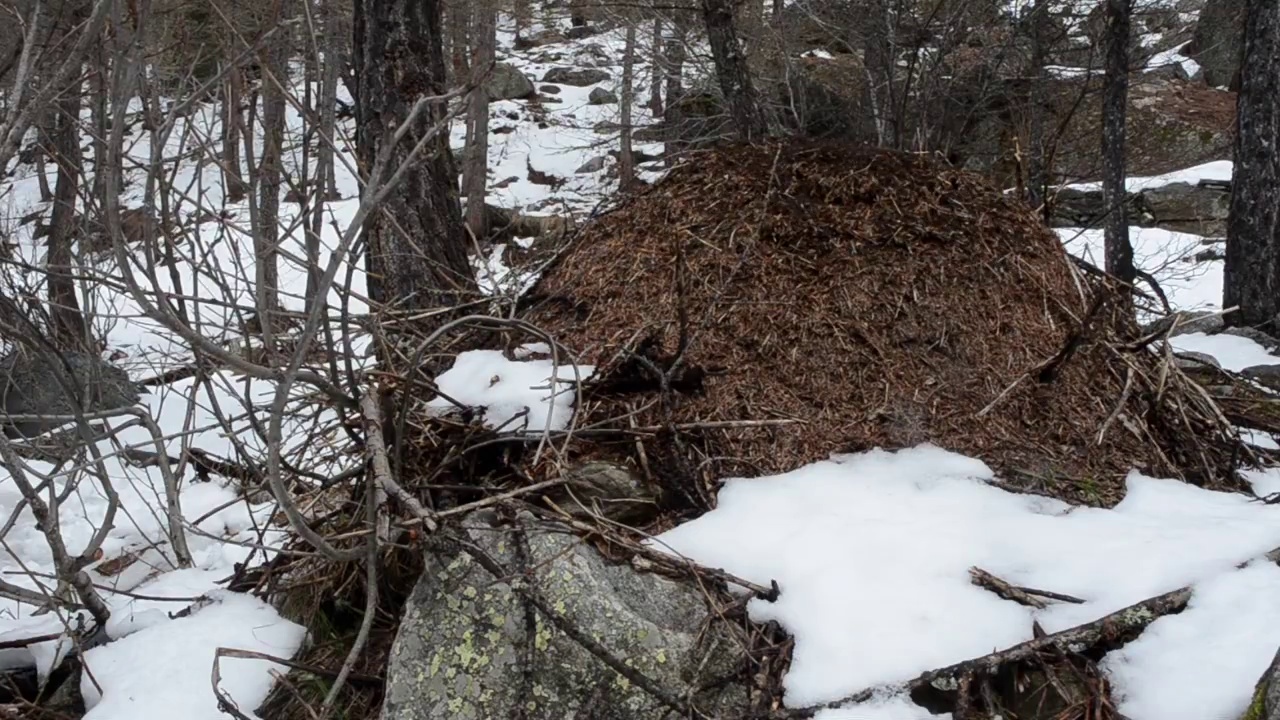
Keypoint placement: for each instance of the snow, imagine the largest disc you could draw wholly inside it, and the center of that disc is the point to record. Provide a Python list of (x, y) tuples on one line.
[(1215, 171), (1201, 664), (1167, 256), (514, 396), (163, 671), (872, 552)]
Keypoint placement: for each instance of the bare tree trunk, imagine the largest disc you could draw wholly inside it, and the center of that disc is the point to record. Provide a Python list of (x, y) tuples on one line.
[(326, 187), (266, 237), (1252, 273), (674, 57), (655, 67), (68, 329), (98, 108), (459, 37), (1115, 96), (476, 176), (44, 141), (232, 95), (732, 72), (880, 67), (626, 160), (415, 246), (522, 14)]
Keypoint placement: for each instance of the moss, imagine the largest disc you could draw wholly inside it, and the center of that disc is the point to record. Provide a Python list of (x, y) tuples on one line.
[(1258, 707)]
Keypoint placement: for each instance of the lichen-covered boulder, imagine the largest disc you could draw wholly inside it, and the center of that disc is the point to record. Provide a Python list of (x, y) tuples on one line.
[(462, 650), (1266, 696)]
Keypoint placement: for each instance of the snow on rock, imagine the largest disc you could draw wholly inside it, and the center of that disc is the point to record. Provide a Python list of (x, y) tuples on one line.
[(515, 396), (1201, 663), (1233, 352), (888, 707), (872, 553), (1215, 171), (163, 671)]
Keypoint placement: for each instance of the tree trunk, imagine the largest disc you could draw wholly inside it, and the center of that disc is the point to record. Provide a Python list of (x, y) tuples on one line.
[(673, 59), (655, 67), (732, 72), (44, 141), (626, 160), (415, 246), (1252, 272), (270, 173), (99, 87), (233, 94), (459, 36), (1115, 96), (67, 324), (326, 187), (484, 37)]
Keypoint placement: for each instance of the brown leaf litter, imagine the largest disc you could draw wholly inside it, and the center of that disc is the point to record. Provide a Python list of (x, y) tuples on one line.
[(875, 299)]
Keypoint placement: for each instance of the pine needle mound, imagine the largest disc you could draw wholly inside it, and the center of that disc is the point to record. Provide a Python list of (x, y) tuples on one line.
[(766, 306)]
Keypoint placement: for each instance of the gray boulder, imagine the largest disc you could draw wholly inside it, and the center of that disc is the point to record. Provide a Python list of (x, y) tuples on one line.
[(577, 77), (1268, 342), (1267, 375), (506, 82), (595, 164), (30, 385), (462, 648), (1218, 43), (1187, 322), (600, 96)]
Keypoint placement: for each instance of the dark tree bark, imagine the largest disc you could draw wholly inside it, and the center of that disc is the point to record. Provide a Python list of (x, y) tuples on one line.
[(68, 328), (266, 235), (476, 177), (732, 71), (655, 69), (673, 57), (626, 159), (232, 95), (1252, 273), (415, 245), (1115, 94)]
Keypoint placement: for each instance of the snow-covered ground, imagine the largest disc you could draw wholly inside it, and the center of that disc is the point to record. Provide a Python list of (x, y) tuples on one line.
[(872, 551)]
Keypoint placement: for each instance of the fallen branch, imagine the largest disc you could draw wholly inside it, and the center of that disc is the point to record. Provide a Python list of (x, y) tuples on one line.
[(986, 580), (1129, 621)]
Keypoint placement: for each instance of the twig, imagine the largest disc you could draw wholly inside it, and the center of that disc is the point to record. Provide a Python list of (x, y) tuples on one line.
[(984, 579)]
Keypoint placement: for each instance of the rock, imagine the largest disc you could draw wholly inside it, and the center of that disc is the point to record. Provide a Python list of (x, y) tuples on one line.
[(1266, 695), (1218, 43), (577, 77), (538, 39), (1268, 342), (1199, 208), (461, 647), (1187, 322), (600, 96), (595, 164), (506, 82), (639, 157), (579, 32), (1191, 360), (606, 489), (550, 89), (606, 126), (1268, 375), (29, 385), (592, 55)]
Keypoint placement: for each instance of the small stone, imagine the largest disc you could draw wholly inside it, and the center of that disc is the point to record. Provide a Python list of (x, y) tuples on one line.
[(600, 96), (594, 165), (550, 89)]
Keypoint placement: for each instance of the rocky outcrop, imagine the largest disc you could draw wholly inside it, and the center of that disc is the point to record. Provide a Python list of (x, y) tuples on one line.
[(470, 647), (1200, 209), (600, 96), (32, 384), (1218, 43)]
